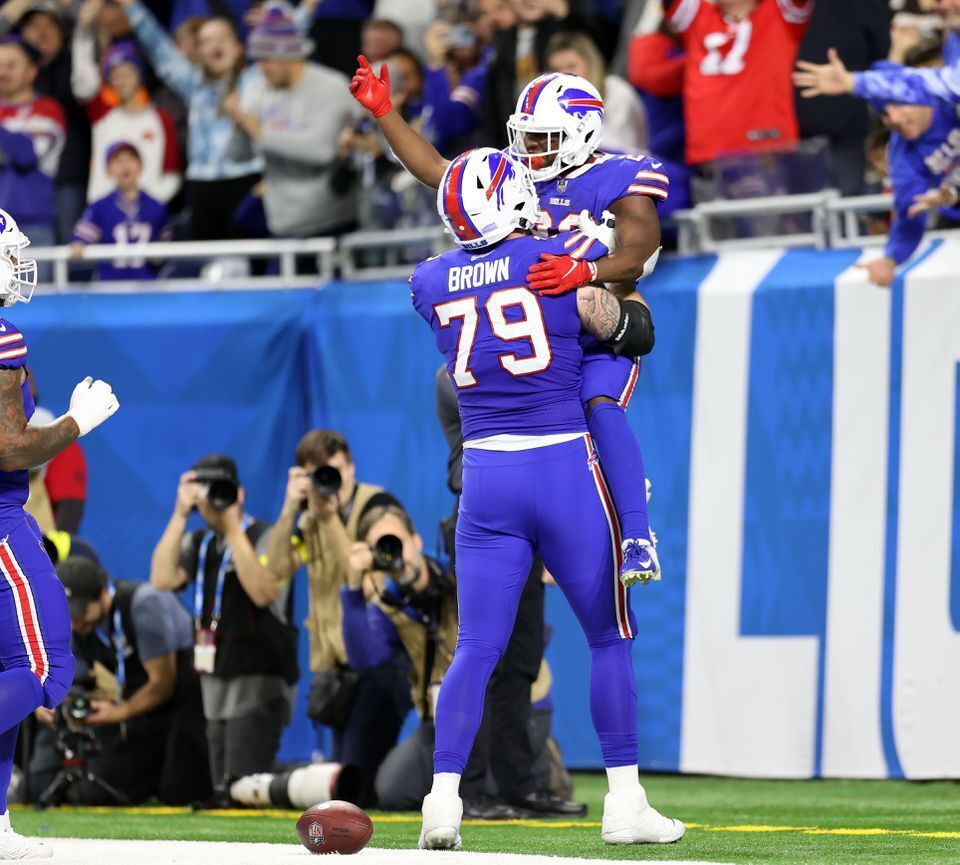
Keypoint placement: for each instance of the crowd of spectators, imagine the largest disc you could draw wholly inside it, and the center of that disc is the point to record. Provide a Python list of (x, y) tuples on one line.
[(235, 117)]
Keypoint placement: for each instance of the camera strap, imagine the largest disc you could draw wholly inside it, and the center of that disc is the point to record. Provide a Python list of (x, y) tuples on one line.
[(118, 642), (217, 610)]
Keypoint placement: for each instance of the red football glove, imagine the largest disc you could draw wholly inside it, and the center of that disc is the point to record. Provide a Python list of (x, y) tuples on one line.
[(557, 274), (371, 92)]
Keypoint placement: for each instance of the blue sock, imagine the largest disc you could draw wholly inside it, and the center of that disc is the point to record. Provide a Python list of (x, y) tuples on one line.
[(20, 693), (622, 462)]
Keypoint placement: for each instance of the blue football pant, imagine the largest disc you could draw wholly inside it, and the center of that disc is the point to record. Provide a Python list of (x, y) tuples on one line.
[(606, 375), (36, 667), (554, 501)]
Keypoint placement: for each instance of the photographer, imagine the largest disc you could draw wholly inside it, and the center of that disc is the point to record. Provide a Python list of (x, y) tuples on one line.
[(245, 648), (150, 729), (398, 599), (317, 527)]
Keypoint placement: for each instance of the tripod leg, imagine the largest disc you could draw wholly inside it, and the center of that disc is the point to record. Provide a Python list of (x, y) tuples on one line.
[(56, 791), (119, 797)]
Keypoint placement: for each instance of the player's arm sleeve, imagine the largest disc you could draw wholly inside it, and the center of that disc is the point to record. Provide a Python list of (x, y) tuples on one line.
[(87, 230), (419, 295), (178, 73), (940, 86), (369, 636), (642, 177), (905, 232), (13, 354), (16, 149)]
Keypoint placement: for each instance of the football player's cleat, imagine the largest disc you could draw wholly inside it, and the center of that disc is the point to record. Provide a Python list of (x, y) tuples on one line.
[(640, 562), (629, 819), (441, 822), (15, 846)]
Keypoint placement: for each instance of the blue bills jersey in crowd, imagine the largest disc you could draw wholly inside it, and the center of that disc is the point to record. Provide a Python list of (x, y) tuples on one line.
[(596, 185), (115, 219), (917, 166), (14, 486), (513, 356)]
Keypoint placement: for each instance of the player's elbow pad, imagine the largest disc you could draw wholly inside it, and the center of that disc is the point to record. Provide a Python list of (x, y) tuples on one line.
[(634, 334)]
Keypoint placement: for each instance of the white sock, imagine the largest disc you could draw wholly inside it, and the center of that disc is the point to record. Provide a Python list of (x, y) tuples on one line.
[(446, 784), (624, 779)]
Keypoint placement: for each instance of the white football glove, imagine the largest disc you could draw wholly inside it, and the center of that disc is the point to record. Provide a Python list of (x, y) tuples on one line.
[(92, 403), (604, 231)]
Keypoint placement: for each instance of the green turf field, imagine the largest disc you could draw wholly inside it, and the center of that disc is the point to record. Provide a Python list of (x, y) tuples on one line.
[(783, 822)]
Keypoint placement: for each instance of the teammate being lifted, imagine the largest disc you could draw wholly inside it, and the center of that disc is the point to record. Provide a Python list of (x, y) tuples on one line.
[(531, 479), (555, 131), (36, 667)]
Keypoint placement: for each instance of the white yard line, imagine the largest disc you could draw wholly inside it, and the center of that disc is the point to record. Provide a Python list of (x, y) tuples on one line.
[(69, 851)]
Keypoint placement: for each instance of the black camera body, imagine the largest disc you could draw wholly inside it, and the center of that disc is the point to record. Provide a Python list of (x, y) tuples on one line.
[(222, 490)]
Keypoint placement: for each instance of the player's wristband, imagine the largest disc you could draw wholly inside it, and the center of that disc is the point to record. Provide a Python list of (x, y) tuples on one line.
[(634, 334)]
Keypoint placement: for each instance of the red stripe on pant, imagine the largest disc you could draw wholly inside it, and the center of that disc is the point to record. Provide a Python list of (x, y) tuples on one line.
[(631, 384), (613, 521), (26, 611)]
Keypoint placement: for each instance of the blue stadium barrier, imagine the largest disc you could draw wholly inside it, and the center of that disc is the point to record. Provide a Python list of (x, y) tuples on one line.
[(799, 426)]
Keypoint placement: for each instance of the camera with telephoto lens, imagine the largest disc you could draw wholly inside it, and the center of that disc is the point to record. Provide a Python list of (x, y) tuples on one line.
[(327, 481), (221, 490), (388, 554)]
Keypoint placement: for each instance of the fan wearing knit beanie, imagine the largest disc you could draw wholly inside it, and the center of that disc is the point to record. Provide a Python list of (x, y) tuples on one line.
[(293, 118), (137, 120)]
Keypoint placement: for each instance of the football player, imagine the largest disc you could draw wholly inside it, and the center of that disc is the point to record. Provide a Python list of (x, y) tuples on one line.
[(555, 131), (531, 478), (36, 667)]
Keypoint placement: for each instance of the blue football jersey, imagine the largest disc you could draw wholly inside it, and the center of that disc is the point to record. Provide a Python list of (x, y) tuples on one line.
[(15, 486), (513, 356), (114, 219), (594, 186)]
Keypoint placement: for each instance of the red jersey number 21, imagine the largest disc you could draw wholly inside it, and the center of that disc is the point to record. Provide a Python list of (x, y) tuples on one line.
[(530, 328)]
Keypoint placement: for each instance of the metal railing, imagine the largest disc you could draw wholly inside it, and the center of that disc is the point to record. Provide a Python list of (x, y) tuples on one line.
[(827, 221)]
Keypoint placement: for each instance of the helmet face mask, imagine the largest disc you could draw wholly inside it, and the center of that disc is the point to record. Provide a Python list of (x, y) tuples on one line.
[(567, 109), (18, 275), (484, 196)]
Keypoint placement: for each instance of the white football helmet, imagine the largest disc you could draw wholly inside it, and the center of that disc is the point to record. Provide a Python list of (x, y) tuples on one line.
[(567, 109), (484, 195), (18, 275)]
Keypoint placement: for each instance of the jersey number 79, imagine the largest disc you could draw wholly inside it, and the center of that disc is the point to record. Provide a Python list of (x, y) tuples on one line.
[(530, 328)]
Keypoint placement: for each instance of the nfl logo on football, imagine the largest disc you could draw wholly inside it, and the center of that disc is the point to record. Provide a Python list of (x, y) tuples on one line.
[(316, 833)]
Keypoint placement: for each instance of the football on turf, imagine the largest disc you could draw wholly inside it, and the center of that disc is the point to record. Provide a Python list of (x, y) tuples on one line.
[(334, 827)]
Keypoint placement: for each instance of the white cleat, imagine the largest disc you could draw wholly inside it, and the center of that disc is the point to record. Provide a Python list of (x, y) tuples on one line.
[(629, 819), (441, 822), (15, 846)]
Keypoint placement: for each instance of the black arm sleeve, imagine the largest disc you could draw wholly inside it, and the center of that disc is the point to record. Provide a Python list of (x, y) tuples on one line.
[(634, 334)]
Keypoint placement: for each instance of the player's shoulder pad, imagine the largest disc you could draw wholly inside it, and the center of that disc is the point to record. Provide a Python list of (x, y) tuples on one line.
[(13, 346), (635, 174)]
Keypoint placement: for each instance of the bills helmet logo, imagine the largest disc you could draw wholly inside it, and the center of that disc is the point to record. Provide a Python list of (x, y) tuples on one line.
[(578, 102), (315, 833), (501, 170)]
